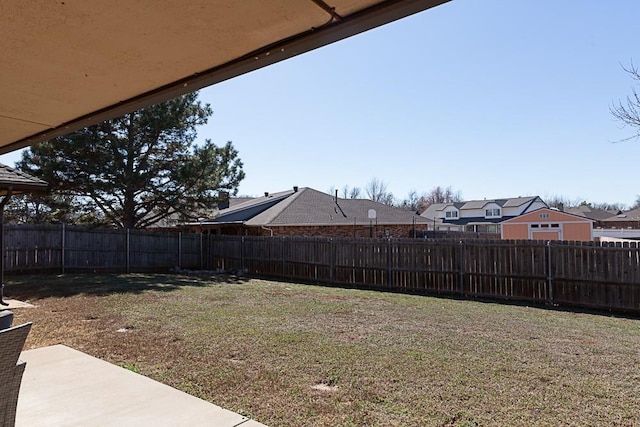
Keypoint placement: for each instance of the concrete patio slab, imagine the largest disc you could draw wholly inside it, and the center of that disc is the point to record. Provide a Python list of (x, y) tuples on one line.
[(14, 303), (65, 387)]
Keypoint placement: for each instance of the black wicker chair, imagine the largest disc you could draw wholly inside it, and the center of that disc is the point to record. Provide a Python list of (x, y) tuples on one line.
[(6, 319), (11, 370)]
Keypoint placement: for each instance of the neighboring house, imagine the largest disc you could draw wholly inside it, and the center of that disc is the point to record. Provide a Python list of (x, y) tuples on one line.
[(626, 219), (306, 212), (174, 221), (625, 225), (597, 215), (548, 224), (480, 216)]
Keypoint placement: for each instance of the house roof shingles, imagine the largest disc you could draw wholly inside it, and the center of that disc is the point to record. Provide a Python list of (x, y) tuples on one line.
[(19, 181), (626, 216), (591, 213), (311, 207)]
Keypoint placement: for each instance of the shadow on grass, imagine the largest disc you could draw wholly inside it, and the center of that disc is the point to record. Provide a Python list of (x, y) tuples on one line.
[(43, 286)]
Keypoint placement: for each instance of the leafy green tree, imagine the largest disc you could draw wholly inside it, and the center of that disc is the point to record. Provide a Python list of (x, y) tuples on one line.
[(139, 169)]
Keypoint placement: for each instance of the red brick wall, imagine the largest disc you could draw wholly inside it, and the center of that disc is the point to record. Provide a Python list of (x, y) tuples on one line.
[(338, 231), (619, 224)]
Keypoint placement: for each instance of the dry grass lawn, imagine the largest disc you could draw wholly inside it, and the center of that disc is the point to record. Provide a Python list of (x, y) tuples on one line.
[(299, 355)]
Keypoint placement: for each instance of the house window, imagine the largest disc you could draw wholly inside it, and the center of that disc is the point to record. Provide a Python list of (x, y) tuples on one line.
[(544, 215), (493, 228), (492, 212), (451, 214), (545, 225)]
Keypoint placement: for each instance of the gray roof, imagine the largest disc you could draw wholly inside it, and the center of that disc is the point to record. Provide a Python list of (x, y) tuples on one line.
[(626, 216), (19, 181), (243, 211), (591, 213), (518, 201), (475, 204), (432, 210), (235, 201), (505, 203), (311, 207)]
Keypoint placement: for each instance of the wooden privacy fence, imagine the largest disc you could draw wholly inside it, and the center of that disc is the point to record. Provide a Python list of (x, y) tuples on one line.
[(583, 274), (64, 248)]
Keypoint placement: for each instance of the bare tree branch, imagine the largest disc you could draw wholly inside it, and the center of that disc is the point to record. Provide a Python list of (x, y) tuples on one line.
[(628, 112)]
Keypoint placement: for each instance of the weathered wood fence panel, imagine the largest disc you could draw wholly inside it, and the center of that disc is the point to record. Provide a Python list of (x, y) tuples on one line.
[(64, 248), (602, 276), (225, 253), (505, 269), (360, 262), (95, 249), (33, 248), (561, 273), (306, 258), (190, 251)]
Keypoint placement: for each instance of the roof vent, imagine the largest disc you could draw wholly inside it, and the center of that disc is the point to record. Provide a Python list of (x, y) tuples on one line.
[(295, 188), (266, 194)]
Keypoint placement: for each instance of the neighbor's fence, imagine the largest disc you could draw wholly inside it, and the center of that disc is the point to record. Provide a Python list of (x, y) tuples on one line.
[(585, 274), (62, 248)]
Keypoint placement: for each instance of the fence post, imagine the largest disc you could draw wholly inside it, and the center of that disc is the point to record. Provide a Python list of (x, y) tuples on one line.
[(282, 255), (242, 254), (62, 249), (180, 250), (332, 261), (128, 248), (390, 263), (201, 252), (461, 269), (549, 274)]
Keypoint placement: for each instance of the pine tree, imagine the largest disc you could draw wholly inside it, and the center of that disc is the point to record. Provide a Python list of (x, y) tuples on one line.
[(138, 169)]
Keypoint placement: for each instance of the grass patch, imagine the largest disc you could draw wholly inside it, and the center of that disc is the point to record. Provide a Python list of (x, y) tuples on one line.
[(288, 354)]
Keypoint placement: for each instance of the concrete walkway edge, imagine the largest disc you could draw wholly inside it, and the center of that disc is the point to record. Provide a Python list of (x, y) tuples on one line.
[(65, 387)]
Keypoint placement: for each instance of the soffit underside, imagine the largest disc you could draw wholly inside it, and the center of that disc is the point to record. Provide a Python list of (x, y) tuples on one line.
[(67, 64)]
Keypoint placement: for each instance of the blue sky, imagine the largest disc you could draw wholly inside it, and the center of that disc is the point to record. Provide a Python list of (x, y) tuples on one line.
[(494, 98)]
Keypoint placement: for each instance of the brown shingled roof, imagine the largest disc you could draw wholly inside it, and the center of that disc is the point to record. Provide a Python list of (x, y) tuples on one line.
[(591, 213), (312, 207), (19, 182), (626, 216)]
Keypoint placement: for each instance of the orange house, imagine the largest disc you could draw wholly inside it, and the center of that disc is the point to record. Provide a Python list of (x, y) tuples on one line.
[(548, 224)]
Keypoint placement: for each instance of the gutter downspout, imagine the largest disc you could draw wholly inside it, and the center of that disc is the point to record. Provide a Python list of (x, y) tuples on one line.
[(270, 230)]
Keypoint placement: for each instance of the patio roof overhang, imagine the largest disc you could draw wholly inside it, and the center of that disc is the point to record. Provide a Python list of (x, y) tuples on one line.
[(70, 64)]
